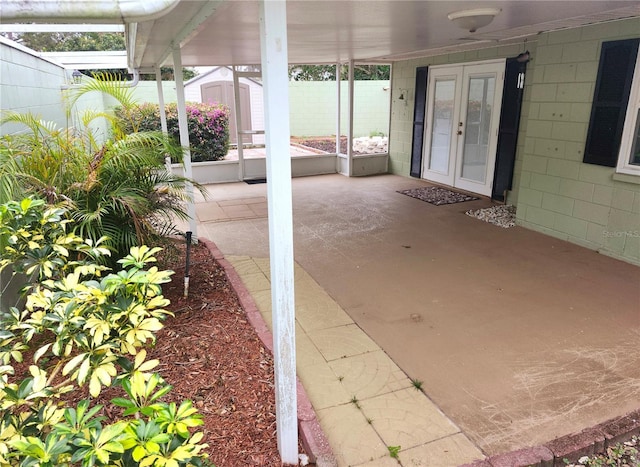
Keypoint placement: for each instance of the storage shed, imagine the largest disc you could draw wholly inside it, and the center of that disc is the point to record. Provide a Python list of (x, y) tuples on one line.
[(216, 85)]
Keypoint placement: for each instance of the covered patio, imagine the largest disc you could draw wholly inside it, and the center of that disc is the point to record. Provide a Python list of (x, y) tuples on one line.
[(516, 336), (519, 338)]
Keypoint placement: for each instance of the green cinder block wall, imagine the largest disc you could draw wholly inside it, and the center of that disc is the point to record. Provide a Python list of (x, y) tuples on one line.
[(558, 194), (312, 105), (32, 84), (554, 191), (313, 108)]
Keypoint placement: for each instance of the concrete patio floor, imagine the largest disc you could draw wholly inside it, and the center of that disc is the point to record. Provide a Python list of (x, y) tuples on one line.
[(517, 337)]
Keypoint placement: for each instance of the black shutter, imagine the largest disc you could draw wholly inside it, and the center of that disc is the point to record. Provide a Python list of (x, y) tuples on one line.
[(613, 85), (418, 121), (508, 130)]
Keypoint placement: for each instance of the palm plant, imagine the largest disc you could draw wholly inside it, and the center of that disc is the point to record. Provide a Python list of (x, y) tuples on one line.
[(115, 187)]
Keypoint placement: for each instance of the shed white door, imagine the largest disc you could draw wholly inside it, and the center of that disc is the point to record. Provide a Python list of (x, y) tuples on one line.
[(463, 113), (222, 92)]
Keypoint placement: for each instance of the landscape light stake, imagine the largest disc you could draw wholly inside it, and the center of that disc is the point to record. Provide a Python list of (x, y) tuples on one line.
[(186, 266)]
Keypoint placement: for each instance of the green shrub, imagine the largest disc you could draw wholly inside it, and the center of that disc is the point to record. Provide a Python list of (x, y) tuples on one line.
[(84, 326), (116, 187), (208, 126)]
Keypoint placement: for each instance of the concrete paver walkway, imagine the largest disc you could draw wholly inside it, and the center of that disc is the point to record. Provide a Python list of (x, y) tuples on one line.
[(364, 402), (517, 337)]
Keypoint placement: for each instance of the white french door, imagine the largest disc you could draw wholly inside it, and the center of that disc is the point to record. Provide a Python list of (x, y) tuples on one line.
[(461, 132)]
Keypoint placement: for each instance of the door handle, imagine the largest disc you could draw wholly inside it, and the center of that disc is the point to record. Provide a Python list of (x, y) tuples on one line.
[(459, 132)]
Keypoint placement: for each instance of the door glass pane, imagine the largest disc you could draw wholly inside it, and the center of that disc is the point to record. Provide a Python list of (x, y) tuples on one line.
[(442, 126), (476, 128)]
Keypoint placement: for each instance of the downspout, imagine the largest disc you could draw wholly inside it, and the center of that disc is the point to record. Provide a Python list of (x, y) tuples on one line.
[(134, 82), (131, 33), (88, 11)]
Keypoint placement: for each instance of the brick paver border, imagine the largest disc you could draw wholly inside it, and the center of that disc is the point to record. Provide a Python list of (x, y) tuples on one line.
[(571, 447)]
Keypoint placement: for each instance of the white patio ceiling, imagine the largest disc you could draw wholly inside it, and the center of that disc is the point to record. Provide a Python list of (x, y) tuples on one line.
[(225, 32), (323, 31)]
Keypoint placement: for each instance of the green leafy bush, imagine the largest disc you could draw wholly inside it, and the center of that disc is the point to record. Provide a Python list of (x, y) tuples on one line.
[(116, 187), (208, 126), (84, 325)]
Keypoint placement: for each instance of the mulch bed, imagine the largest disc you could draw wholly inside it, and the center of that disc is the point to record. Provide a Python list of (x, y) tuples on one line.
[(211, 355), (437, 196)]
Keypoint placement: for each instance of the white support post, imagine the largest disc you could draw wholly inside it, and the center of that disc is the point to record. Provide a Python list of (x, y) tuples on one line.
[(350, 131), (184, 137), (273, 48), (238, 110), (163, 113), (338, 108)]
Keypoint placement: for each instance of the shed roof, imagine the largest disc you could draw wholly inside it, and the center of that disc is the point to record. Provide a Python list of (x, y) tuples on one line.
[(203, 76)]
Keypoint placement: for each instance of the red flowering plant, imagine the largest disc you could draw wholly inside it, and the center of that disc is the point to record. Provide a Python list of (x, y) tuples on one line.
[(208, 126)]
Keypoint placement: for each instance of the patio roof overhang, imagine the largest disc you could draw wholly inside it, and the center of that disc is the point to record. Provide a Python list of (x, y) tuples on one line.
[(329, 31), (226, 32)]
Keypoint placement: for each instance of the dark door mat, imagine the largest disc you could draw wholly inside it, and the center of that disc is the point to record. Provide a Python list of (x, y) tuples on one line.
[(256, 181), (437, 196)]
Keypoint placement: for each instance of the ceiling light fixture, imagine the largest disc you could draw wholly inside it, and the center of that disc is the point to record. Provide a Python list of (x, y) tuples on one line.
[(473, 19)]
